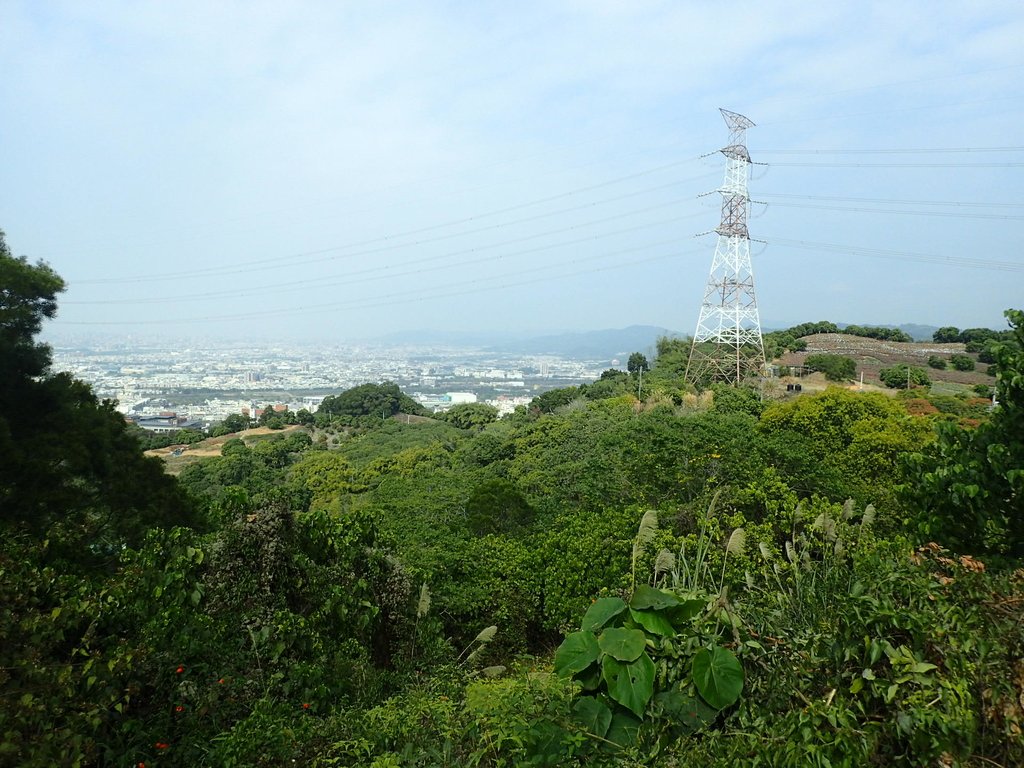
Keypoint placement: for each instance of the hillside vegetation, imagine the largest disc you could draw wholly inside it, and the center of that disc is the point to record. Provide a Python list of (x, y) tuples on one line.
[(681, 578)]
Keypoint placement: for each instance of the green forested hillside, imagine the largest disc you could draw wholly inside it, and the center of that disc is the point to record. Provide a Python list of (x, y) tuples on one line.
[(682, 578)]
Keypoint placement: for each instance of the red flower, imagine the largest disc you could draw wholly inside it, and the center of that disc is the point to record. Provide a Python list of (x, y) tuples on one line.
[(179, 708), (179, 670), (141, 765), (221, 681), (161, 745), (306, 705)]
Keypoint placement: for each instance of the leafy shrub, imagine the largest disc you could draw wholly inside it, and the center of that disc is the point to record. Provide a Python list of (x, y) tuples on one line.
[(898, 376), (962, 362), (497, 506), (835, 367)]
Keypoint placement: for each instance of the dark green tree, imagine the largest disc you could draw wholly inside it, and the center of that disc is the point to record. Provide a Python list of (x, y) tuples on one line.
[(962, 362), (969, 487), (737, 400), (28, 295), (936, 362), (898, 376), (69, 464), (497, 506), (637, 362), (835, 367), (375, 401), (235, 422), (948, 334), (471, 415), (552, 399)]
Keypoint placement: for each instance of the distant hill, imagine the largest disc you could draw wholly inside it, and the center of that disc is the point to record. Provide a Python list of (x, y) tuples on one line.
[(609, 344), (916, 331), (448, 338), (605, 344)]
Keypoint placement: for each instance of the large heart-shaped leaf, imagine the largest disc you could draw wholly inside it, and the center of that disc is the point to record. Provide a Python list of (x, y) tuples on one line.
[(689, 712), (631, 684), (649, 597), (601, 611), (577, 652), (623, 644), (687, 609), (592, 715), (718, 675), (655, 622), (590, 678), (624, 730)]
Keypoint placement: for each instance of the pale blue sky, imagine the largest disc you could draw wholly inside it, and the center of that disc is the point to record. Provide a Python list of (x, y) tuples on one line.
[(337, 170)]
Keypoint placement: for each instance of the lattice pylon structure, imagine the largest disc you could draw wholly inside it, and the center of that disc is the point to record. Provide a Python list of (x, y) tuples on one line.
[(727, 345)]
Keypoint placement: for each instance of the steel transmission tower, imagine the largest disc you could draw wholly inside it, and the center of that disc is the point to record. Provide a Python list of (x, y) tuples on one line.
[(727, 345)]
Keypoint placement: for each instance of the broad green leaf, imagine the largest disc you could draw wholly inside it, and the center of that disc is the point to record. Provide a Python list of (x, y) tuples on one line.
[(687, 609), (630, 684), (548, 742), (593, 715), (655, 622), (623, 644), (590, 678), (601, 611), (718, 675), (577, 652), (649, 597), (624, 729), (689, 712)]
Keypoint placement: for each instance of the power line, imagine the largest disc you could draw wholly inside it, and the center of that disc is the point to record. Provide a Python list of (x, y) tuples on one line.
[(387, 274), (895, 165), (896, 212), (880, 200), (481, 285), (261, 264), (908, 151), (927, 258)]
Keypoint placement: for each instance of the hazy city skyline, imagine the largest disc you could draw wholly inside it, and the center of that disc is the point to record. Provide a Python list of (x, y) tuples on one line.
[(347, 171)]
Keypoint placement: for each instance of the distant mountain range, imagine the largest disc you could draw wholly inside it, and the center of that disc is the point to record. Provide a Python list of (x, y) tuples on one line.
[(607, 344)]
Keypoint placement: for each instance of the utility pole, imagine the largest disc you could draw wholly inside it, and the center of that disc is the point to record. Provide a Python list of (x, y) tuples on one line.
[(727, 345), (640, 382)]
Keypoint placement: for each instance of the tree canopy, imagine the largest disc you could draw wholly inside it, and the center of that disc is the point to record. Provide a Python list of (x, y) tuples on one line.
[(614, 576), (68, 459)]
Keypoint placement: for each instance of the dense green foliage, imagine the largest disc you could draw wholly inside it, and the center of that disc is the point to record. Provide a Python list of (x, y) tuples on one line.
[(835, 367), (777, 342), (961, 362), (600, 579), (366, 404), (70, 470), (904, 376), (970, 488)]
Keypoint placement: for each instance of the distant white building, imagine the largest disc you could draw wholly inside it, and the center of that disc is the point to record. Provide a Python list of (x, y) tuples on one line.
[(168, 422)]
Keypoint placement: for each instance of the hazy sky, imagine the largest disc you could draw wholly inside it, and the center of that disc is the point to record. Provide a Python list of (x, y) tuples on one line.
[(342, 169)]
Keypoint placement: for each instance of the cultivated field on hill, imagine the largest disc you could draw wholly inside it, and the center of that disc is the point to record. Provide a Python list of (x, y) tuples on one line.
[(872, 355)]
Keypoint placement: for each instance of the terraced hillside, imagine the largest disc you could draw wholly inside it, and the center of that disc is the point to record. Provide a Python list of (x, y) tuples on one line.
[(871, 355)]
